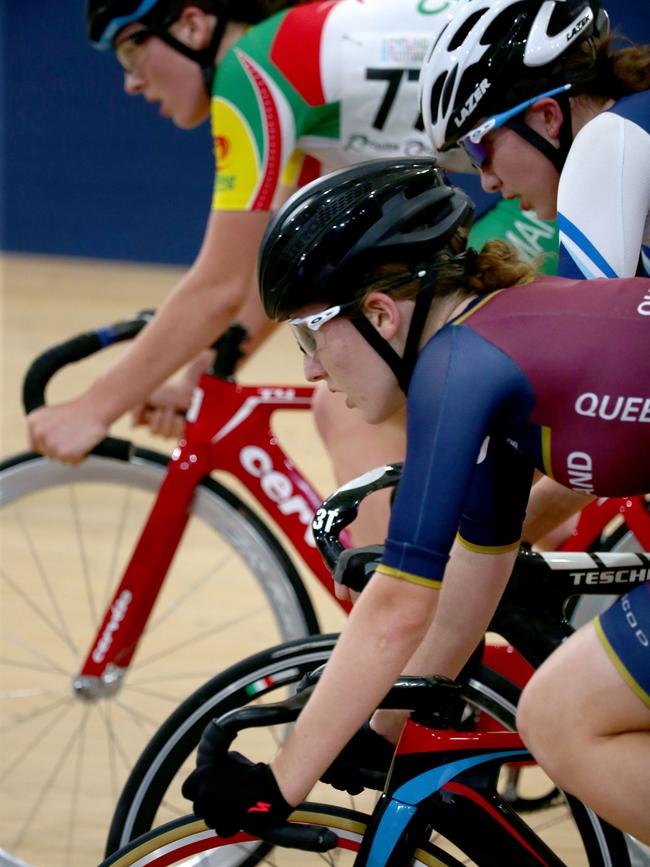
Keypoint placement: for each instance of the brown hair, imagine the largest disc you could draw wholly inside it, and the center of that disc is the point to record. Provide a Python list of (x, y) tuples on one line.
[(617, 71), (457, 269)]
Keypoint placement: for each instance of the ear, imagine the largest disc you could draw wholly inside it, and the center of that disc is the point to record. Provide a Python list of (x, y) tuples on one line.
[(545, 116), (384, 313), (194, 27)]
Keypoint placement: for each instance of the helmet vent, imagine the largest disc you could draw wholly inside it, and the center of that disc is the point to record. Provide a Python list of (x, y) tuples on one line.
[(436, 90), (502, 25), (448, 90), (461, 34)]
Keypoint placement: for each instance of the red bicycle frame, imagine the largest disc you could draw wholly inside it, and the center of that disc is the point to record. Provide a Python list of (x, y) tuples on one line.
[(595, 517), (228, 428)]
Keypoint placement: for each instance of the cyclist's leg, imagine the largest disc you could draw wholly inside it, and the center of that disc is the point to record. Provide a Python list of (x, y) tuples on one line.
[(598, 747), (354, 447)]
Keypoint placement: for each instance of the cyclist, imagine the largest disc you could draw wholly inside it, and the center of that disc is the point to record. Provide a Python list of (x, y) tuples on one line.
[(551, 114), (279, 117), (389, 298)]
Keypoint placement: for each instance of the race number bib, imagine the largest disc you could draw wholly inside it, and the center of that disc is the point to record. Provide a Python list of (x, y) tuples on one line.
[(380, 114)]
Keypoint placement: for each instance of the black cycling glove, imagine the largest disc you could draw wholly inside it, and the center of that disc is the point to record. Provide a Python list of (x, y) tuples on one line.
[(229, 792), (363, 763)]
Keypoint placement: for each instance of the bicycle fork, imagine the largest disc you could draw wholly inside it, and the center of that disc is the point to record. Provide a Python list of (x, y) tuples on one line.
[(128, 612)]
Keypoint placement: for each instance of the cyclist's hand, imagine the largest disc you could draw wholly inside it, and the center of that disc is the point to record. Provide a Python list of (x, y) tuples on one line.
[(230, 793), (163, 412), (66, 432), (362, 763), (345, 594)]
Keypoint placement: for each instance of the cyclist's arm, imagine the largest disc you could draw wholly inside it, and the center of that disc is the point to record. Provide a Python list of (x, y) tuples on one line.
[(602, 211), (550, 504), (199, 309), (452, 391)]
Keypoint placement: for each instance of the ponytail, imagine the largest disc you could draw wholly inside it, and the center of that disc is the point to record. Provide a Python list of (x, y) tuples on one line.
[(607, 72)]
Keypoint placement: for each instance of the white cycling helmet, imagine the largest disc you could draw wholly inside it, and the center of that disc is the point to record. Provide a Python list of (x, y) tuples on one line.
[(495, 54)]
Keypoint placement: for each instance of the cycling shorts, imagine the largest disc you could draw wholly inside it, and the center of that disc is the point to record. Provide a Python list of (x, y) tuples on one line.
[(624, 631)]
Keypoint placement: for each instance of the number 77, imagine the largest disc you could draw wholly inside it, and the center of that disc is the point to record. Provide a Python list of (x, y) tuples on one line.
[(393, 79)]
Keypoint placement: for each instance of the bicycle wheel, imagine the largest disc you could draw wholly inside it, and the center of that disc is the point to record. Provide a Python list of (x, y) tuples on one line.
[(152, 795), (187, 841), (67, 535)]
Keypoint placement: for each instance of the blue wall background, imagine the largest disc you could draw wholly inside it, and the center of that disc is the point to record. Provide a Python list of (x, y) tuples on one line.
[(89, 171)]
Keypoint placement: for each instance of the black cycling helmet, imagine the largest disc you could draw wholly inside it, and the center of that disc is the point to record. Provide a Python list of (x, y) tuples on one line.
[(495, 54), (333, 230), (105, 19)]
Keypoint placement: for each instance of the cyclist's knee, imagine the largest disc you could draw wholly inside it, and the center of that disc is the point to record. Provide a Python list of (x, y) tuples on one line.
[(535, 722)]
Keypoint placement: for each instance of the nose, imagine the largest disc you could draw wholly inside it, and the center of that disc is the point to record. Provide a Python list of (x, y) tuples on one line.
[(314, 370), (489, 181), (132, 83)]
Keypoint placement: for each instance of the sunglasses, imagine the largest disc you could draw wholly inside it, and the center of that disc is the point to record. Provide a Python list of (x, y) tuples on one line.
[(305, 327), (127, 50), (472, 142)]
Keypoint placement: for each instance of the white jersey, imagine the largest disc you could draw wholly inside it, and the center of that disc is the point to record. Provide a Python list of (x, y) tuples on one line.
[(604, 194)]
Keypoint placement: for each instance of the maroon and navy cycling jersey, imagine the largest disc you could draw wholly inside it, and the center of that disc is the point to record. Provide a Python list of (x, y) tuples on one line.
[(553, 375)]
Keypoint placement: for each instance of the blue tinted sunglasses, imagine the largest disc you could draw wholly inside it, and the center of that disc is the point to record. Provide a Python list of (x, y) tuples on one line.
[(472, 141)]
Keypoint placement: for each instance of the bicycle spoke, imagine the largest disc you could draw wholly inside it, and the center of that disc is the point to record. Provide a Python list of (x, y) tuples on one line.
[(186, 597), (49, 666), (172, 699), (48, 785), (115, 749), (200, 636), (34, 714), (35, 742), (122, 511), (29, 601), (64, 632), (136, 715), (76, 791), (83, 557)]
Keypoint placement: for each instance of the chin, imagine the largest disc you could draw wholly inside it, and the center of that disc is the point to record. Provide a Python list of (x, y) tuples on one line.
[(546, 212), (190, 119)]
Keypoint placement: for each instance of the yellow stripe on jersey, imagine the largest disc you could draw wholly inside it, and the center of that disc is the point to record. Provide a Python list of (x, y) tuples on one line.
[(487, 549), (546, 451), (408, 576), (620, 667), (477, 306)]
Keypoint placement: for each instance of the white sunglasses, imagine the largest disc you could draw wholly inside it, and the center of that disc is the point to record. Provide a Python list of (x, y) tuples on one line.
[(305, 327)]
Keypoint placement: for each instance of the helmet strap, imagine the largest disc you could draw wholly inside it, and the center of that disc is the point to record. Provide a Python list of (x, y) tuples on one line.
[(382, 347), (556, 155), (402, 367), (205, 57)]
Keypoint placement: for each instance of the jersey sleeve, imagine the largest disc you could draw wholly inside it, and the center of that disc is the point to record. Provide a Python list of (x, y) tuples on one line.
[(464, 390), (254, 133), (604, 198)]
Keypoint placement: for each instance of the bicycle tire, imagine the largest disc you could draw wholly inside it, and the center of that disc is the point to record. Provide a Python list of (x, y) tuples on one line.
[(53, 584), (154, 783), (177, 841)]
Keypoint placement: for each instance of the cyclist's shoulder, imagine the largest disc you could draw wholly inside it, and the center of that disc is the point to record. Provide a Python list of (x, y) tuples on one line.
[(635, 107), (632, 109)]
